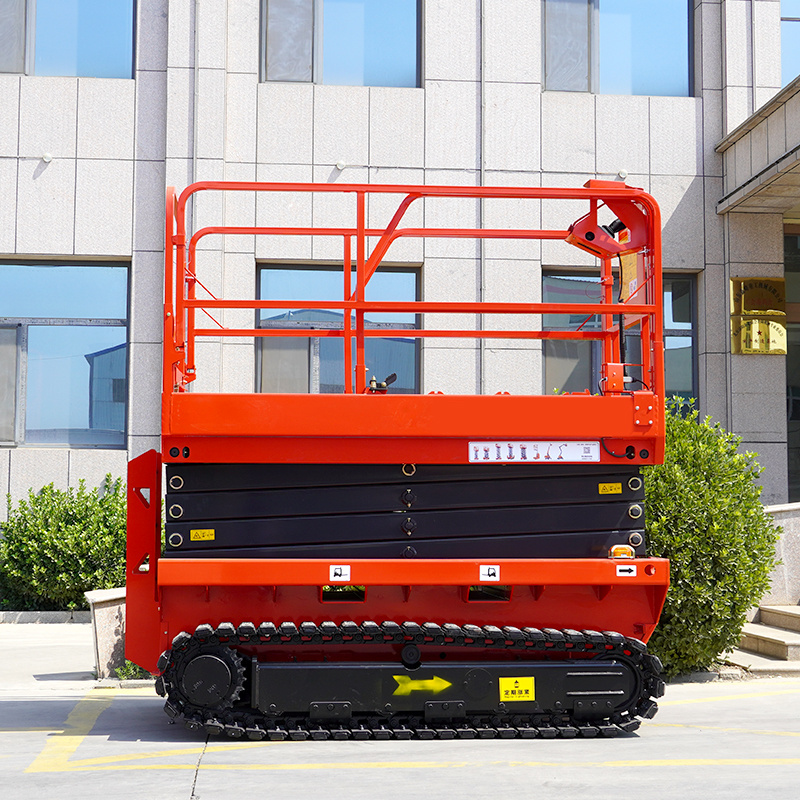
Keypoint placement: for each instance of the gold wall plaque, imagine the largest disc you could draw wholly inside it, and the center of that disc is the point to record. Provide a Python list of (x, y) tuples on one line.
[(758, 316), (763, 335), (758, 296)]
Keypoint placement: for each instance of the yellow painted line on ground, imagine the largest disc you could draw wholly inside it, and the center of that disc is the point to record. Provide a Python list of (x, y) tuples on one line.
[(721, 730), (60, 746), (188, 751), (725, 697)]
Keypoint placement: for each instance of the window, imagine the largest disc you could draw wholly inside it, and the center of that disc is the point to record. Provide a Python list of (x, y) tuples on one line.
[(791, 263), (618, 46), (790, 40), (63, 354), (316, 364), (574, 366), (342, 42), (85, 38)]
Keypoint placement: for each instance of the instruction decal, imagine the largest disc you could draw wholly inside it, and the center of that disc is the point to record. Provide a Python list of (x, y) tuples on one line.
[(609, 488), (516, 690), (626, 570), (339, 573), (202, 535), (489, 572), (507, 452)]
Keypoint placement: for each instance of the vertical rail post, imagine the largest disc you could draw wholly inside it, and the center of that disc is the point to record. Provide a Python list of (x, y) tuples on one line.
[(361, 276), (348, 324)]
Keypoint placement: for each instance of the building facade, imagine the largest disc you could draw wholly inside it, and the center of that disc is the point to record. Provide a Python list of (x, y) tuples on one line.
[(102, 106)]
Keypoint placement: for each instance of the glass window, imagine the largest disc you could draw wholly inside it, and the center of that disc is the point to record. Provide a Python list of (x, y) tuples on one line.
[(574, 366), (639, 47), (790, 40), (342, 42), (12, 35), (84, 38), (791, 265), (679, 345), (8, 383), (316, 364), (63, 338)]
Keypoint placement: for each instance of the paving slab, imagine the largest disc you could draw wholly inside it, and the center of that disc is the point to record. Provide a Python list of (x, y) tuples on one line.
[(761, 666), (46, 657)]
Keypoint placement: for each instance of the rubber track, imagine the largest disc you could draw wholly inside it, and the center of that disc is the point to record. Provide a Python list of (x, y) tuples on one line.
[(239, 722)]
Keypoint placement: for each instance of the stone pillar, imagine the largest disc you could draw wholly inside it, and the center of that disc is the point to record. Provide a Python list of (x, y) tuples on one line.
[(756, 402)]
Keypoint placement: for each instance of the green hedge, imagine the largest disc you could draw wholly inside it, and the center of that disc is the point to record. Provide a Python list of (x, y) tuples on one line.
[(59, 544), (704, 513)]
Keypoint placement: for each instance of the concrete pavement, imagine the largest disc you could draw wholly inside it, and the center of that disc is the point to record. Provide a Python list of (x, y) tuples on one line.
[(62, 738)]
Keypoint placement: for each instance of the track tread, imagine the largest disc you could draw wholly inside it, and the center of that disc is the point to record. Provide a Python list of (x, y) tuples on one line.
[(237, 722)]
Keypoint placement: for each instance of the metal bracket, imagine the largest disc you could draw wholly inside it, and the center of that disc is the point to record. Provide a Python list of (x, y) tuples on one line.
[(332, 710), (445, 709), (643, 409)]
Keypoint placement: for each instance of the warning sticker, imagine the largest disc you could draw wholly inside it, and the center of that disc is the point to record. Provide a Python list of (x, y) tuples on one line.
[(515, 690), (339, 573), (202, 535), (609, 488), (505, 452)]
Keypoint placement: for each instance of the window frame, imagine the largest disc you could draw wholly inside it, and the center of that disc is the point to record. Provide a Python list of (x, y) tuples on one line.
[(316, 48), (314, 341), (29, 60), (593, 45), (691, 333), (787, 18), (24, 323)]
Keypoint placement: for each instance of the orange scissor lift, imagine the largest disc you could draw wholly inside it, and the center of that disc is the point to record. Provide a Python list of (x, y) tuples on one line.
[(378, 565)]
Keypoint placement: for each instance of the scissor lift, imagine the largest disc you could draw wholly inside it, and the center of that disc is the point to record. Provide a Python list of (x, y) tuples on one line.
[(383, 565)]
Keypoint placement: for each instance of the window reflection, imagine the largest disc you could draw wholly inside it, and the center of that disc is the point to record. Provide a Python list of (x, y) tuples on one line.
[(343, 42), (633, 47), (86, 38), (644, 47), (63, 338), (76, 385), (59, 290), (790, 40), (316, 364), (574, 366)]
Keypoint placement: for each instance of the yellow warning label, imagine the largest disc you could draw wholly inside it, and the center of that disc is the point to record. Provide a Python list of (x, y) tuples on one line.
[(202, 535), (609, 488), (515, 690)]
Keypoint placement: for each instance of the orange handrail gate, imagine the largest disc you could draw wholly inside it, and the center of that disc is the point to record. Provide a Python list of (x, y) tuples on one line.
[(510, 525)]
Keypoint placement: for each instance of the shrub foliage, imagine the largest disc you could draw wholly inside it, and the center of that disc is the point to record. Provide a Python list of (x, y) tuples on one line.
[(704, 513), (59, 544)]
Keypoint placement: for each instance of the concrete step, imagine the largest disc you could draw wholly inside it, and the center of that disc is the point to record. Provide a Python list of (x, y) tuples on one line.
[(769, 641), (787, 617), (763, 666)]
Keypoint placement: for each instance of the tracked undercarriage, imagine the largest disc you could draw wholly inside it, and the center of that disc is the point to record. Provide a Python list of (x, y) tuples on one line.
[(486, 682)]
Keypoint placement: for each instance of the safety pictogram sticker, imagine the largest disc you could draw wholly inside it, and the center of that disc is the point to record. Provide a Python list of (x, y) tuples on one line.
[(489, 572), (515, 690), (626, 570), (339, 573)]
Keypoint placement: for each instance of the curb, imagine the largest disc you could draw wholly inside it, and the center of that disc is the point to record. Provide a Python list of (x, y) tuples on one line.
[(45, 617), (725, 673), (113, 683)]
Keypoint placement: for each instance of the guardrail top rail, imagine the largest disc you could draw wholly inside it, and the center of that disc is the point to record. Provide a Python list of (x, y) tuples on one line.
[(366, 423)]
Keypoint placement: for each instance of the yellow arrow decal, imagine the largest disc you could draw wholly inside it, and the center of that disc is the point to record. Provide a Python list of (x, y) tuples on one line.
[(432, 685)]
